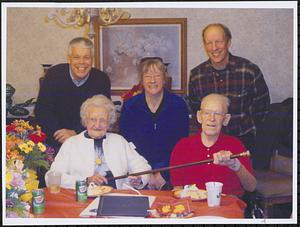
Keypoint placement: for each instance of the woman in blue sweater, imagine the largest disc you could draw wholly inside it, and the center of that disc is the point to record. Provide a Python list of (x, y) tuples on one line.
[(155, 119)]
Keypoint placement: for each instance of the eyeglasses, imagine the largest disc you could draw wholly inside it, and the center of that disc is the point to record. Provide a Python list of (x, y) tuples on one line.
[(101, 121), (155, 77), (208, 113)]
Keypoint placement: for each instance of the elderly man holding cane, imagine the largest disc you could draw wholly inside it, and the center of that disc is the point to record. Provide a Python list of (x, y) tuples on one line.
[(235, 174)]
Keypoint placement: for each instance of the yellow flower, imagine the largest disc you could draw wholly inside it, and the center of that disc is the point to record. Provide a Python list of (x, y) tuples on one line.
[(25, 148), (41, 146), (30, 143), (25, 125), (31, 184), (26, 197), (9, 179), (31, 174), (22, 146), (28, 149)]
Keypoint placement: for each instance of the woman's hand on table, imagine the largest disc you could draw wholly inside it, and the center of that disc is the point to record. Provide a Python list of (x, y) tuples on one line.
[(135, 181), (156, 181)]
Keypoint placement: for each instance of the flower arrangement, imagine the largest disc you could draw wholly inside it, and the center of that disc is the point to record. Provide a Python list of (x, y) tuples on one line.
[(24, 142), (25, 152), (19, 184)]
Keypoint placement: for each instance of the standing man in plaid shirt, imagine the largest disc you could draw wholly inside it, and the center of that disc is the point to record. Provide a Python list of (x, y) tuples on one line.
[(235, 77)]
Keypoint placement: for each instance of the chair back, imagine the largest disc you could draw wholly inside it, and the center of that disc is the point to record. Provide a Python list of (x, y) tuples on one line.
[(281, 164)]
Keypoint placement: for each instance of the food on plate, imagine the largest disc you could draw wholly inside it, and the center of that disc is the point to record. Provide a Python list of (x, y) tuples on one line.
[(179, 209), (191, 191), (94, 190), (166, 209), (169, 210)]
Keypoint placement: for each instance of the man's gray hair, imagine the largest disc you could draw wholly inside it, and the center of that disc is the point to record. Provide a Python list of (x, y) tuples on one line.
[(98, 101), (81, 42)]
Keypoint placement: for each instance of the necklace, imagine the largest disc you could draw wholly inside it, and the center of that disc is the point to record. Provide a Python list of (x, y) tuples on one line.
[(98, 153), (97, 148), (98, 161)]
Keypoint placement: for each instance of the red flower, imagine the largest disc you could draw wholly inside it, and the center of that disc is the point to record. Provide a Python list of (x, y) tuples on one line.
[(134, 91), (10, 128), (37, 136)]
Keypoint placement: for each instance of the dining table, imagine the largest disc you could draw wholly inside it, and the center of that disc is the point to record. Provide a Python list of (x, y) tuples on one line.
[(64, 204)]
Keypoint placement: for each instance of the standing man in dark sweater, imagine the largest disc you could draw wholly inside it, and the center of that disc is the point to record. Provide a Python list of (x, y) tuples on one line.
[(65, 88)]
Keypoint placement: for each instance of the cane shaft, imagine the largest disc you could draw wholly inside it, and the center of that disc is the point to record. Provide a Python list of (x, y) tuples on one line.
[(243, 154)]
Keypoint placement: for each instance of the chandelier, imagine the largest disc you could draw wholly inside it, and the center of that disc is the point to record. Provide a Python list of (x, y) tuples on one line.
[(78, 17)]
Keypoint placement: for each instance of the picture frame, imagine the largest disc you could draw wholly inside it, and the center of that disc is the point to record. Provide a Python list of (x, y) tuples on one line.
[(119, 48)]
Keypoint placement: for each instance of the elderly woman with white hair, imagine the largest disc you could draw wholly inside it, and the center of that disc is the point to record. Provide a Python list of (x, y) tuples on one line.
[(96, 154)]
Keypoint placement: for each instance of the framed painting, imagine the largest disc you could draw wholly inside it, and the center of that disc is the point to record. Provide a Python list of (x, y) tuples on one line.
[(119, 48)]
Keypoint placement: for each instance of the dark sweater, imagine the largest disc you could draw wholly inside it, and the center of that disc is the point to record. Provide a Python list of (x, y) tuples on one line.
[(59, 100), (155, 135)]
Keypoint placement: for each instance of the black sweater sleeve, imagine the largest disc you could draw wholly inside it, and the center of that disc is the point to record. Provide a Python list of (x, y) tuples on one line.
[(45, 109)]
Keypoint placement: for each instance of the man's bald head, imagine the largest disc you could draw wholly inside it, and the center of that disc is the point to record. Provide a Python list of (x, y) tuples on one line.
[(221, 100)]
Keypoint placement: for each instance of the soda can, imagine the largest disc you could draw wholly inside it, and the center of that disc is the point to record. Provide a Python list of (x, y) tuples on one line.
[(38, 201), (81, 191)]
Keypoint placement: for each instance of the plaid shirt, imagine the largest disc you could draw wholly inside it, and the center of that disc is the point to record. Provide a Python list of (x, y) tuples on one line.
[(242, 82)]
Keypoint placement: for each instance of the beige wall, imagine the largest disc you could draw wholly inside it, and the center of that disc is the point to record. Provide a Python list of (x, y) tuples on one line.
[(264, 36)]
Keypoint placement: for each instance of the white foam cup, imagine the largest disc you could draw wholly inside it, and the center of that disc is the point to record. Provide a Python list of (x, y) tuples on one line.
[(214, 191)]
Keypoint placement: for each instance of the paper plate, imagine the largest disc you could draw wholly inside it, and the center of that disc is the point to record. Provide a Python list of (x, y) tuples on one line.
[(155, 214), (175, 209), (98, 190), (196, 195)]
